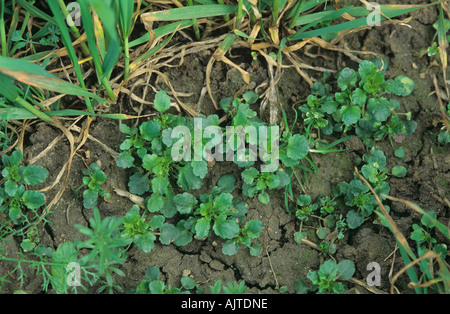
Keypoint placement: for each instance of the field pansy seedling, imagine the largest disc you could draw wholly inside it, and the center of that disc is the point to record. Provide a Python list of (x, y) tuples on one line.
[(15, 198), (360, 104), (325, 279), (357, 195)]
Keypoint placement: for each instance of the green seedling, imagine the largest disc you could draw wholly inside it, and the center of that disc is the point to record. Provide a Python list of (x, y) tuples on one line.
[(49, 36), (15, 197), (423, 234), (433, 50), (357, 195), (230, 288), (306, 208), (250, 231), (42, 260), (216, 212), (106, 247), (153, 285), (360, 104), (256, 182), (5, 139), (151, 147), (330, 226), (325, 279), (93, 180), (142, 233)]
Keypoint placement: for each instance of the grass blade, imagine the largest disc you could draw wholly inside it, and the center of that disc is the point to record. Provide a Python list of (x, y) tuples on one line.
[(161, 31), (34, 75), (67, 41), (36, 12), (90, 36), (9, 92), (389, 11), (2, 29), (189, 13)]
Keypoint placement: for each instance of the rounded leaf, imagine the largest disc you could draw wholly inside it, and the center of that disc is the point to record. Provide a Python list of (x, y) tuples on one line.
[(33, 199), (34, 174)]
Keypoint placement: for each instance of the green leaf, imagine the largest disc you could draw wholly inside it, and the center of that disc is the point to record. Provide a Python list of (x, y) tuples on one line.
[(139, 183), (188, 283), (97, 178), (253, 228), (303, 200), (191, 12), (380, 107), (225, 228), (377, 159), (202, 228), (230, 247), (146, 242), (27, 245), (150, 161), (156, 287), (399, 171), (297, 147), (184, 238), (301, 287), (366, 70), (329, 107), (65, 254), (125, 160), (249, 175), (429, 219), (155, 203), (33, 74), (370, 173), (401, 86), (347, 78), (15, 158), (187, 180), (354, 220), (399, 152), (250, 97), (264, 198), (350, 114), (33, 199), (14, 213), (90, 198), (162, 101), (200, 168), (322, 233), (152, 273), (34, 174), (346, 269), (168, 233), (159, 185), (150, 130), (255, 248), (359, 97), (223, 202), (298, 236), (227, 183), (11, 187), (156, 222), (185, 202)]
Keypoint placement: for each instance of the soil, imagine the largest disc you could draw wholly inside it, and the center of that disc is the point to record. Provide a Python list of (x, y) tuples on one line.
[(282, 261)]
